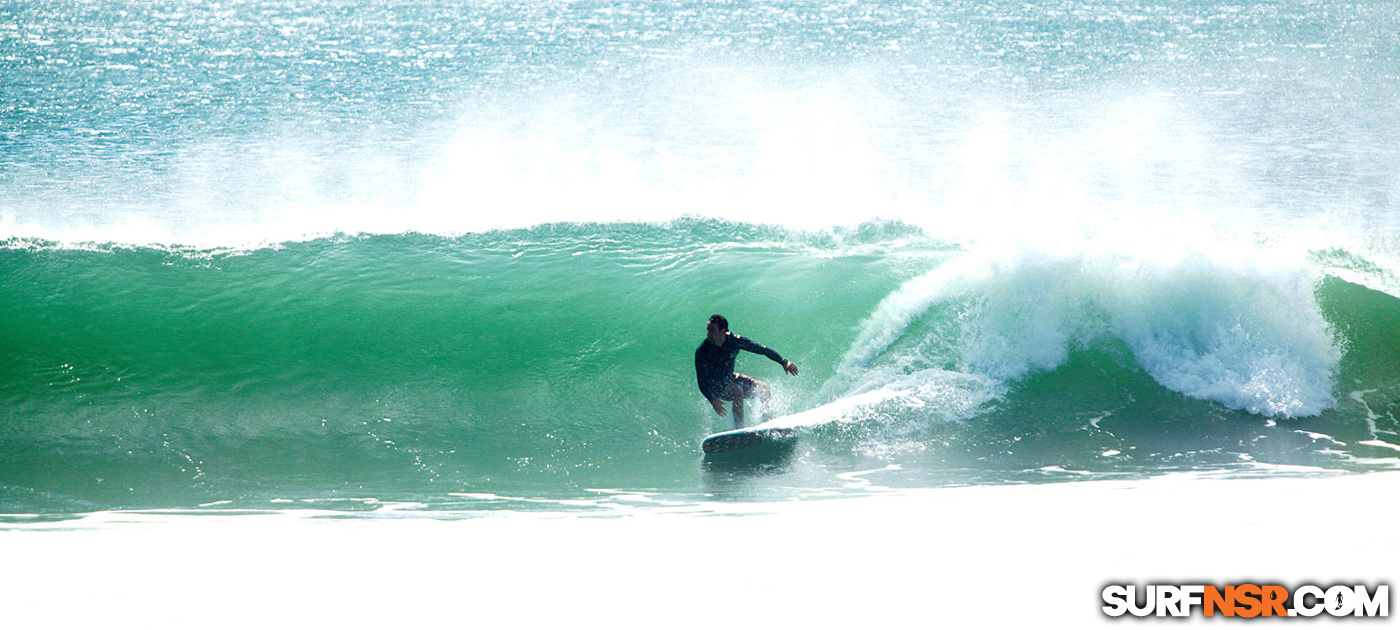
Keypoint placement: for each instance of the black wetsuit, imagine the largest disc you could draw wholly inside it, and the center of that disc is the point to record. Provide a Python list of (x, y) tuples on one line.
[(714, 365)]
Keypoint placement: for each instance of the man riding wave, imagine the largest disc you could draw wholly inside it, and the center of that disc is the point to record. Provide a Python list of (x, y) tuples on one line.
[(714, 368)]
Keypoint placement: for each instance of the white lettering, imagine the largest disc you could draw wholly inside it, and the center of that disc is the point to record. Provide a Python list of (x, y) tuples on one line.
[(1339, 602), (1149, 605), (1300, 604), (1115, 600), (1372, 604), (1194, 596), (1168, 601)]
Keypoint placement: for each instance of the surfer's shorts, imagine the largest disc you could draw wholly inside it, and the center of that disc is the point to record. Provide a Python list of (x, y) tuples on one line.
[(745, 382)]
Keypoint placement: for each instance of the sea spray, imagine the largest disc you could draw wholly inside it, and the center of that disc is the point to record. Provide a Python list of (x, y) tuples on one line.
[(1244, 331), (418, 254)]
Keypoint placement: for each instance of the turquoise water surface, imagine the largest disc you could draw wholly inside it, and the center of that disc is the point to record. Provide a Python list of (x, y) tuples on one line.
[(458, 256)]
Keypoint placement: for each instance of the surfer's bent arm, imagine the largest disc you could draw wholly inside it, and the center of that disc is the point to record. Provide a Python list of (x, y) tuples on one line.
[(744, 343)]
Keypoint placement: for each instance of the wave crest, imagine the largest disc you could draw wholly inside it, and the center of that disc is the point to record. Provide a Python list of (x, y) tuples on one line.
[(1242, 329)]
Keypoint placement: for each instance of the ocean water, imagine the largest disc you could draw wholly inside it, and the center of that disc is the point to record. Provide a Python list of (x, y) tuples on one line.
[(437, 258)]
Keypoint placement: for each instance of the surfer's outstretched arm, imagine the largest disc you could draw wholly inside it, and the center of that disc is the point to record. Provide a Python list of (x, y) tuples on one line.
[(744, 343)]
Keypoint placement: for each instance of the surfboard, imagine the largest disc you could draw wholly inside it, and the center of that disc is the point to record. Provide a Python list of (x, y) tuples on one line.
[(746, 437)]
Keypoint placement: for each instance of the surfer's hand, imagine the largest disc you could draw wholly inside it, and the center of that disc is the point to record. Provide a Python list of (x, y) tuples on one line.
[(718, 405), (790, 367)]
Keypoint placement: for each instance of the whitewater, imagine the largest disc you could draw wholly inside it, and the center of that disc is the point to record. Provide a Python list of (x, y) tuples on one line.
[(315, 280)]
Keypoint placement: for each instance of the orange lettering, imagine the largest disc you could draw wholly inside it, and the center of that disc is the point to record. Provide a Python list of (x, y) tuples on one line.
[(1250, 597), (1225, 603), (1274, 596)]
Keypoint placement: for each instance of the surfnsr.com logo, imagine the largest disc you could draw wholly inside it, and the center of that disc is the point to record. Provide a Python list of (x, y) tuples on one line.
[(1246, 600)]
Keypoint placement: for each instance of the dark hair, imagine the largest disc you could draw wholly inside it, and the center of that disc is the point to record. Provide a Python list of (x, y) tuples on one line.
[(720, 321)]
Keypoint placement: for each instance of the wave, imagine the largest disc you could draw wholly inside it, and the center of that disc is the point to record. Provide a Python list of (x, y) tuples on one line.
[(555, 359), (1246, 332)]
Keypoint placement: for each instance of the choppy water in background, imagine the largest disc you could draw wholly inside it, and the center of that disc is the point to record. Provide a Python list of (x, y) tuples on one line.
[(457, 257)]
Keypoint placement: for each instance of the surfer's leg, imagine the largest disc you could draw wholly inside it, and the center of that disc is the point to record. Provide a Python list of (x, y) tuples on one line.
[(754, 388), (736, 393)]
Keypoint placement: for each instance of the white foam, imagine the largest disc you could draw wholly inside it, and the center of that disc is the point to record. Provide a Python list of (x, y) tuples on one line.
[(1381, 444), (843, 410), (829, 559), (1229, 321), (1372, 260)]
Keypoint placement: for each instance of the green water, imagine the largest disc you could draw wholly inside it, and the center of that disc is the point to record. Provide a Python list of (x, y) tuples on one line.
[(488, 370), (457, 256)]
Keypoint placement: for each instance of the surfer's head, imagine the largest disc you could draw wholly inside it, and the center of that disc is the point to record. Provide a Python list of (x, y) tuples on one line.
[(717, 327)]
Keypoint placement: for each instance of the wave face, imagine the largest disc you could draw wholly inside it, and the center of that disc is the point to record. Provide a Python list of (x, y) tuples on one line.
[(457, 255), (555, 361)]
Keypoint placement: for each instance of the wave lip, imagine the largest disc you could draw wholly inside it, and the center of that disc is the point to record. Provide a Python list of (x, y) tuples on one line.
[(1246, 334), (1244, 331)]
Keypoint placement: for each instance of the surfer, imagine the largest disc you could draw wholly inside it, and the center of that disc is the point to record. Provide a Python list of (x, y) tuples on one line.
[(714, 368)]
